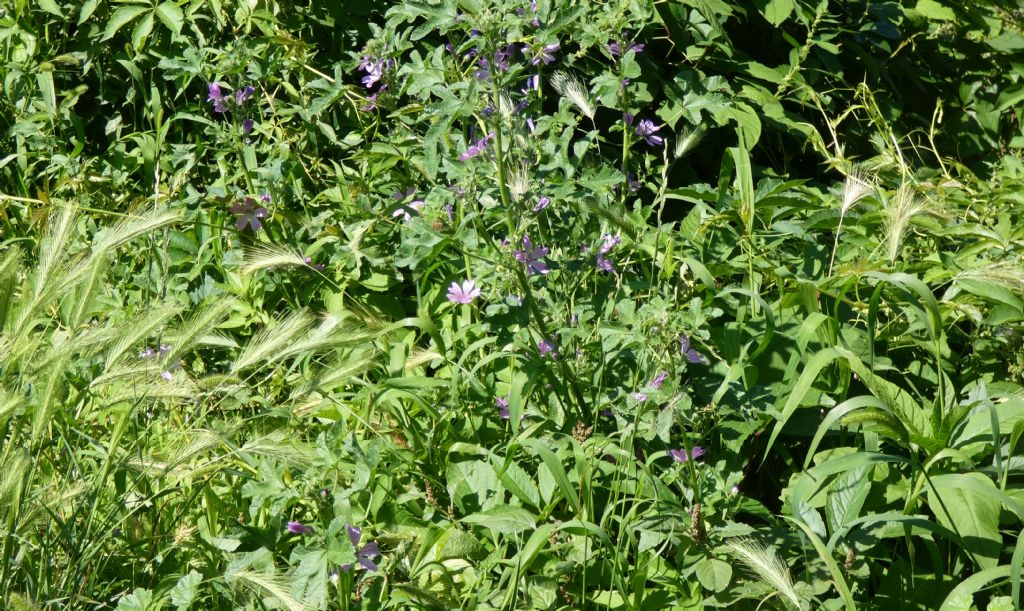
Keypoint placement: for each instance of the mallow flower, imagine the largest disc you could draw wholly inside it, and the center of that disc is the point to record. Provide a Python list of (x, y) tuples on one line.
[(464, 293)]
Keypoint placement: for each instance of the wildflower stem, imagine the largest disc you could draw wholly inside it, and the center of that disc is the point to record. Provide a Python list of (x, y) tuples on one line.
[(500, 154), (835, 244)]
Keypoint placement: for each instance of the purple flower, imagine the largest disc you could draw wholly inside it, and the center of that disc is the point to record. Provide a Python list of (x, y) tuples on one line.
[(691, 355), (241, 95), (546, 347), (365, 554), (247, 126), (248, 214), (147, 353), (681, 455), (616, 50), (520, 105), (735, 490), (542, 203), (532, 84), (632, 183), (646, 129), (298, 528), (416, 205), (167, 376), (464, 294), (483, 73), (502, 57), (608, 242), (604, 264), (546, 54), (215, 95), (502, 407), (317, 266), (659, 380), (531, 257), (477, 147), (530, 125), (374, 69), (628, 118), (451, 212), (163, 349), (640, 397)]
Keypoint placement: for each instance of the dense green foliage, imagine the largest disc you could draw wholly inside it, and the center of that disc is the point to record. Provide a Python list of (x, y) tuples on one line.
[(447, 304)]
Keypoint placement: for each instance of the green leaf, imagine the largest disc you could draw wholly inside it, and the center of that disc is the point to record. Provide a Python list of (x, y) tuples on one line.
[(184, 592), (142, 31), (933, 10), (171, 16), (975, 517), (140, 599), (50, 7), (504, 519), (309, 583), (121, 18), (962, 596), (777, 11), (714, 574)]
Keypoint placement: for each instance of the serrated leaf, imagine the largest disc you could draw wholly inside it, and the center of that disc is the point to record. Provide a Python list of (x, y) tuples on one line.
[(309, 582), (184, 592), (140, 599)]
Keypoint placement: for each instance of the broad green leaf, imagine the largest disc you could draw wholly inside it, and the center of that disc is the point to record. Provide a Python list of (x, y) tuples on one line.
[(935, 10), (140, 599), (975, 517), (714, 574), (171, 16), (184, 592), (121, 18), (504, 519), (309, 582), (777, 11), (50, 6)]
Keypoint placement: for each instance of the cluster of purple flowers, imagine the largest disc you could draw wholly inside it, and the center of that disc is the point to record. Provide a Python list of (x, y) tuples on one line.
[(374, 67), (608, 242), (221, 100), (364, 554), (655, 383)]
